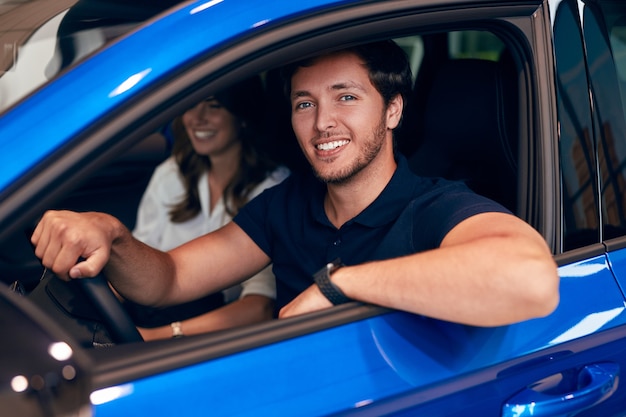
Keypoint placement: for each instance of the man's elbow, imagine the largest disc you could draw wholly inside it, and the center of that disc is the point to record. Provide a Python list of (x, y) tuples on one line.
[(545, 297)]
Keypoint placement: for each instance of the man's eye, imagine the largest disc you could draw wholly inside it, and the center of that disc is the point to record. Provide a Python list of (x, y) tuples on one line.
[(303, 105), (347, 97)]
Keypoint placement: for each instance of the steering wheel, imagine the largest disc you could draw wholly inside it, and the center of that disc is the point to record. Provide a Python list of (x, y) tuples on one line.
[(116, 318)]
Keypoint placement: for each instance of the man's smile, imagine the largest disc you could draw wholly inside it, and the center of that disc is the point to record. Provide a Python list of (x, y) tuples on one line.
[(329, 146)]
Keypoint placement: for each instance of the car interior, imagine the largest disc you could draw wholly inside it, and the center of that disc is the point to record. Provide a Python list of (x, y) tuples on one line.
[(467, 127), (461, 123)]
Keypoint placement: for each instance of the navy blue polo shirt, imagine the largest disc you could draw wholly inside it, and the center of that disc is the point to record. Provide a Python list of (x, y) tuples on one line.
[(412, 214)]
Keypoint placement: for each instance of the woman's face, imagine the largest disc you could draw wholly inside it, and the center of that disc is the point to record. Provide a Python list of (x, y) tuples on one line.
[(213, 130)]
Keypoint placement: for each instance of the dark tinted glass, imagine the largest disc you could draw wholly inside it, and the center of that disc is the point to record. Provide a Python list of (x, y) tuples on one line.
[(576, 142), (605, 39)]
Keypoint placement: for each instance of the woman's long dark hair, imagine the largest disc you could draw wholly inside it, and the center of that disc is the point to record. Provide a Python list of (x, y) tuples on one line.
[(245, 101)]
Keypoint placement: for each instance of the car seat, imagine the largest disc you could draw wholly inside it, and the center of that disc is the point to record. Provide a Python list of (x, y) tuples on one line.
[(285, 149), (469, 128)]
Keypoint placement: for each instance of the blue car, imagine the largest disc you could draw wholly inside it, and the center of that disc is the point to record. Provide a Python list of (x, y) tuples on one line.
[(525, 100)]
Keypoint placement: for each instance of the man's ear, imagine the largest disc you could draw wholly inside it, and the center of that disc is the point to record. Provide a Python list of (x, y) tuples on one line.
[(394, 111)]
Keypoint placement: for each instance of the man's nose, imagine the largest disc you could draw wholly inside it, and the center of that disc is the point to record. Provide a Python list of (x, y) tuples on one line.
[(325, 118)]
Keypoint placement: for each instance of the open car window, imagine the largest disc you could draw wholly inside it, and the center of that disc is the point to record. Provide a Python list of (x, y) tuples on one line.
[(453, 62), (460, 54)]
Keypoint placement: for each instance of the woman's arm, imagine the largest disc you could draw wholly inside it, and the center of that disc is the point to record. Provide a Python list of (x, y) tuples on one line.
[(250, 309)]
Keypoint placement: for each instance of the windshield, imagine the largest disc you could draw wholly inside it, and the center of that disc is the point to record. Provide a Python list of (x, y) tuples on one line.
[(42, 37)]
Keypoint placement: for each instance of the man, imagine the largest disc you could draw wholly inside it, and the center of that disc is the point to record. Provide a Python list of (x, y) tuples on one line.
[(428, 247)]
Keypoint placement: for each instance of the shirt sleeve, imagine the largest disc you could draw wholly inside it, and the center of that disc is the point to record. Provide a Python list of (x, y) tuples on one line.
[(456, 204), (264, 283), (253, 217)]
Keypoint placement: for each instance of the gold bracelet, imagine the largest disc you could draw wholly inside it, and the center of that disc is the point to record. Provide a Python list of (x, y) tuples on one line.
[(177, 329)]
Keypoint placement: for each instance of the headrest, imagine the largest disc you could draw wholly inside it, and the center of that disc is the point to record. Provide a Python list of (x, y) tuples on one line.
[(469, 131), (463, 107)]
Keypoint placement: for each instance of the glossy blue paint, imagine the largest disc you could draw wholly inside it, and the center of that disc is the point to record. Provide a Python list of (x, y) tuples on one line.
[(126, 69), (360, 363), (355, 376), (617, 260), (598, 382)]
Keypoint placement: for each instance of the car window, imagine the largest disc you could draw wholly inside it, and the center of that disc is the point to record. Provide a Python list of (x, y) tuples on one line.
[(475, 44), (605, 37), (576, 143), (414, 48), (428, 51), (117, 187)]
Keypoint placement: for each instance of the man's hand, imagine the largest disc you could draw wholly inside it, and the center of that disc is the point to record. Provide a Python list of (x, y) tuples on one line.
[(309, 300), (63, 237)]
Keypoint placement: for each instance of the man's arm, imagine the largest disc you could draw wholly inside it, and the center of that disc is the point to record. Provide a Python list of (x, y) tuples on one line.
[(491, 269), (137, 271)]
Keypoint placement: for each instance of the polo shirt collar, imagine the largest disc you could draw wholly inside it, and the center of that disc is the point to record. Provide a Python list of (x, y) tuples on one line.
[(386, 208)]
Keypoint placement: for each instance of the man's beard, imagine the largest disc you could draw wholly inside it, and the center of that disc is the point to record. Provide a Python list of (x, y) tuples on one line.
[(372, 148)]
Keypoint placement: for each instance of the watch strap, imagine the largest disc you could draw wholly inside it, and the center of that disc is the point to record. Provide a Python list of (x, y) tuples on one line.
[(327, 287)]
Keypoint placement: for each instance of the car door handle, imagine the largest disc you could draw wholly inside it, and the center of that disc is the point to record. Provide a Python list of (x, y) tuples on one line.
[(596, 383)]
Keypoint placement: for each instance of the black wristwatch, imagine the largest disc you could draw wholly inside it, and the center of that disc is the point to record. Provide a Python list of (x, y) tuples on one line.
[(326, 286)]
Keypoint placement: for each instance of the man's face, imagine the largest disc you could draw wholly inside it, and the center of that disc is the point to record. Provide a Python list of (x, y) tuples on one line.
[(339, 117)]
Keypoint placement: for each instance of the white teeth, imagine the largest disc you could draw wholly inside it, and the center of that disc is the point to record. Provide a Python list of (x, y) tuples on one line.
[(203, 134), (332, 145)]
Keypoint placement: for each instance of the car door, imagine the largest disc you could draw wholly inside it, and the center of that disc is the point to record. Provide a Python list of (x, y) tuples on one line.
[(356, 359)]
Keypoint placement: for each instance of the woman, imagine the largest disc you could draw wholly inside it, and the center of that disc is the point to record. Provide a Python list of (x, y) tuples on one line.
[(215, 168)]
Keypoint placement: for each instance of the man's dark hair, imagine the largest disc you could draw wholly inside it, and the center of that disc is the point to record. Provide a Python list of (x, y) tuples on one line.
[(387, 65)]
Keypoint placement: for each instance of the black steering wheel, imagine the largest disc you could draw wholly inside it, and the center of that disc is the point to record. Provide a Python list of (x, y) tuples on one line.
[(116, 318), (118, 322)]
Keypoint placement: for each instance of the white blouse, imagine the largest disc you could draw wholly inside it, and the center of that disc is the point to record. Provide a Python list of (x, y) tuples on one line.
[(153, 226)]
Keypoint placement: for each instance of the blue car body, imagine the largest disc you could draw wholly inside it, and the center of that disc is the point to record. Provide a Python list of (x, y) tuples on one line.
[(354, 360), (389, 356)]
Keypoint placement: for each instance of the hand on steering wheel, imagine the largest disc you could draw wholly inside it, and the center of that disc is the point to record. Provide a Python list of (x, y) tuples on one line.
[(116, 318)]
